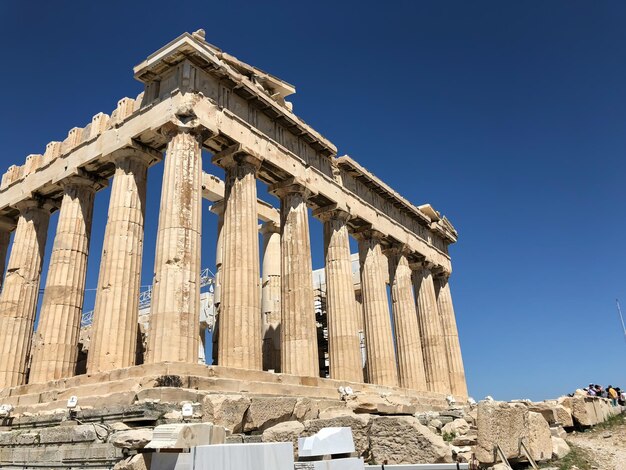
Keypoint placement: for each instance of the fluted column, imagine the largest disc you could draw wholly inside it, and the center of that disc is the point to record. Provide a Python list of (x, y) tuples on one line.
[(381, 359), (344, 347), (408, 342), (450, 336), (218, 209), (18, 301), (6, 227), (433, 347), (55, 349), (239, 342), (270, 303), (299, 355), (114, 331), (174, 313)]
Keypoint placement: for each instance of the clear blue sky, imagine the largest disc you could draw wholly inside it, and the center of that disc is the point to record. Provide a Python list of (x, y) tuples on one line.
[(508, 117)]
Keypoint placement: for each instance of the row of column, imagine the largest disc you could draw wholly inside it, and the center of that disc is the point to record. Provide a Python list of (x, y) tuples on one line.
[(174, 327), (426, 346), (426, 353)]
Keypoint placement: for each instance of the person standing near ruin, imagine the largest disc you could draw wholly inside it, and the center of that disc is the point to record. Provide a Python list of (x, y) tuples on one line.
[(612, 395)]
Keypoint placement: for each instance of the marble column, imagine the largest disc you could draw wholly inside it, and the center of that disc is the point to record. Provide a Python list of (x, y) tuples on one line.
[(239, 343), (433, 347), (174, 313), (408, 342), (344, 349), (450, 336), (381, 359), (114, 330), (55, 349), (270, 303), (18, 300), (299, 354), (218, 209), (6, 227)]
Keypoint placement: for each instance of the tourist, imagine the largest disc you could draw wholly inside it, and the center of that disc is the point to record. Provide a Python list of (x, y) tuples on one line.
[(612, 395)]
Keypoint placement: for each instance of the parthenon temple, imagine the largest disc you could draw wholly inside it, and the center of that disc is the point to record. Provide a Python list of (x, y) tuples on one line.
[(395, 332)]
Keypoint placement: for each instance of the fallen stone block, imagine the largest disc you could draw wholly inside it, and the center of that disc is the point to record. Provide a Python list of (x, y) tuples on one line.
[(131, 439), (553, 412), (284, 432), (458, 427), (186, 436), (265, 412), (560, 448), (503, 424), (403, 440), (558, 431), (539, 438), (225, 410)]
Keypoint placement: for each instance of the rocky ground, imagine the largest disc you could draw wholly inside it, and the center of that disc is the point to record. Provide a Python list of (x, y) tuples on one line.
[(603, 447)]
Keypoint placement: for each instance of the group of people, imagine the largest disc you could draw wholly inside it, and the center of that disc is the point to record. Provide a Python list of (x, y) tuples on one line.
[(615, 394)]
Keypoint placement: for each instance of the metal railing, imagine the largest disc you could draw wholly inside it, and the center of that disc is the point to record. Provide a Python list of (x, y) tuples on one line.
[(145, 296)]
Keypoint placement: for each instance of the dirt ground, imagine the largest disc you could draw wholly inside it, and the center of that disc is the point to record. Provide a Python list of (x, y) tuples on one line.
[(606, 446)]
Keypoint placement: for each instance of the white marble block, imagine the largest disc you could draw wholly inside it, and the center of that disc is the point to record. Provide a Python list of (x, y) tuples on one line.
[(267, 456), (171, 461), (327, 441), (185, 436)]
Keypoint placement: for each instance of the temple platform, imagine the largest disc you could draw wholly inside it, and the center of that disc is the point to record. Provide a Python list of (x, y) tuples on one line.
[(133, 384)]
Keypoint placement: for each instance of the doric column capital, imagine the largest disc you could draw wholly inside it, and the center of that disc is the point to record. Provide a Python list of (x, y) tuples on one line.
[(291, 185), (421, 265), (368, 233), (332, 212), (85, 181), (218, 207), (237, 155), (200, 132), (7, 224), (397, 249), (36, 203), (269, 227), (137, 154)]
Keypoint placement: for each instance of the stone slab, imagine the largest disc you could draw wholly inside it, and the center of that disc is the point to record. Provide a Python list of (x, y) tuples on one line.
[(267, 456), (327, 441), (186, 436), (171, 461)]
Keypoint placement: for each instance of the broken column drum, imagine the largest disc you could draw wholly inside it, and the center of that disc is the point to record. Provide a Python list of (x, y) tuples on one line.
[(198, 98)]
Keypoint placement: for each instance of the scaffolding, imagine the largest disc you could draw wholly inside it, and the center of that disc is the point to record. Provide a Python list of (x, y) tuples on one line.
[(207, 279)]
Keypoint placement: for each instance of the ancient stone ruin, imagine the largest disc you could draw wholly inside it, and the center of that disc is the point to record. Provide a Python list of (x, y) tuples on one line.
[(198, 98)]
